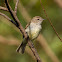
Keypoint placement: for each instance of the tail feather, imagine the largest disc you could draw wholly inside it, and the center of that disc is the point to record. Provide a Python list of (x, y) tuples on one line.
[(21, 48)]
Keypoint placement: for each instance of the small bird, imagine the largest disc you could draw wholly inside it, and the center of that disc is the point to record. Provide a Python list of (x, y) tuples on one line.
[(32, 29)]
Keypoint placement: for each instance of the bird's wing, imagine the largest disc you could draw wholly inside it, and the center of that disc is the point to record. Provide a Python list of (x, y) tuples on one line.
[(27, 24)]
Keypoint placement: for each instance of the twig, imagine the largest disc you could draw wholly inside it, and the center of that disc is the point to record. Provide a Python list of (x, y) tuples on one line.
[(2, 8), (8, 18), (22, 30), (34, 50), (50, 22), (15, 19), (16, 6), (23, 11)]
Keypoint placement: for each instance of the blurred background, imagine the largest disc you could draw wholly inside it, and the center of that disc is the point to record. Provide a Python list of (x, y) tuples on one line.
[(48, 46)]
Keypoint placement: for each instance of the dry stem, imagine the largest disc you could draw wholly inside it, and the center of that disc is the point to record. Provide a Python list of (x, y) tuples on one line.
[(2, 8), (50, 22), (16, 6)]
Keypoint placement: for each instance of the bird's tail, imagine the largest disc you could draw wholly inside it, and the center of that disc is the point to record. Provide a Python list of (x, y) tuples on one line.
[(21, 48)]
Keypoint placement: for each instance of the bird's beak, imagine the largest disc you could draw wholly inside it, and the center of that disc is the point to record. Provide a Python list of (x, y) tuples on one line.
[(43, 19)]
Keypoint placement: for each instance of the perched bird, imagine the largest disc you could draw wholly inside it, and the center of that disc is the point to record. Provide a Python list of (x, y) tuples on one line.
[(32, 29)]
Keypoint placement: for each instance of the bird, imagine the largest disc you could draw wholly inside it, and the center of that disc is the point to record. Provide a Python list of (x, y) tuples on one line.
[(32, 29)]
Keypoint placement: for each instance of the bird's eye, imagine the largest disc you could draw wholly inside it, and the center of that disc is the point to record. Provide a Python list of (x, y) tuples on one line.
[(37, 19)]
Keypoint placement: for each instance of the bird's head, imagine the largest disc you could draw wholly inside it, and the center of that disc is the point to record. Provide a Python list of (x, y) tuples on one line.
[(37, 20)]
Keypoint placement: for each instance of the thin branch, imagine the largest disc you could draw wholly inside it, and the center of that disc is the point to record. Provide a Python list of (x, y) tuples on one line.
[(50, 22), (15, 19), (3, 8), (34, 51), (23, 11), (12, 12), (16, 6), (8, 18), (22, 31)]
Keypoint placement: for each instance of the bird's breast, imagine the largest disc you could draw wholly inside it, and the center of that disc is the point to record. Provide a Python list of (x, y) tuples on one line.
[(33, 31)]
